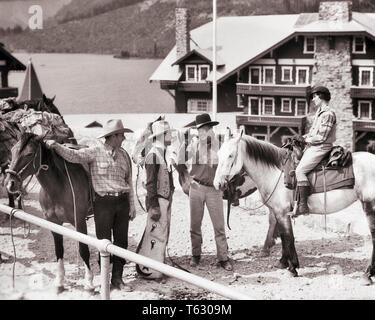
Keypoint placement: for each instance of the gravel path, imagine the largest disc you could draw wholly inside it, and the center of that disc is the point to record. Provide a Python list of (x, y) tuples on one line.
[(331, 262)]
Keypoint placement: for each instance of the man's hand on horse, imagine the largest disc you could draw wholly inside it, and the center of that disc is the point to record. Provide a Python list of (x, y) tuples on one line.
[(132, 213), (299, 138), (49, 143), (155, 213)]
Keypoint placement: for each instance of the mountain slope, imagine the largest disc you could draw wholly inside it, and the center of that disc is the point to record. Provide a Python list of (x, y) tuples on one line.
[(144, 29)]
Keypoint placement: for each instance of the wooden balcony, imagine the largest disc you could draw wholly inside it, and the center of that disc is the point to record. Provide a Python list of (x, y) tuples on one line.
[(362, 92), (8, 92), (364, 125), (273, 90), (186, 86), (274, 121)]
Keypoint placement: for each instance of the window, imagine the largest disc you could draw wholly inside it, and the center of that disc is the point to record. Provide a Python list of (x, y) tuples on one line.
[(364, 109), (359, 45), (240, 101), (301, 107), (309, 45), (268, 75), (286, 105), (286, 73), (254, 106), (269, 106), (365, 76), (199, 105), (254, 75), (203, 72), (191, 72), (260, 136), (302, 75)]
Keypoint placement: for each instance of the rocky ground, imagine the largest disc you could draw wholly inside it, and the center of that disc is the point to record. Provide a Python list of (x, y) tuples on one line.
[(331, 261)]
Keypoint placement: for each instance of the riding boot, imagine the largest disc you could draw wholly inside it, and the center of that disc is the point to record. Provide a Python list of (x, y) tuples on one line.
[(304, 192)]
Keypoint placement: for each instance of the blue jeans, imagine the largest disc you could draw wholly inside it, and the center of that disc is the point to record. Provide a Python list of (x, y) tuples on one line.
[(200, 195)]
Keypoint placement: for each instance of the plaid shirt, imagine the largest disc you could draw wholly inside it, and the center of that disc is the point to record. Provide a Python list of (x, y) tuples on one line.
[(109, 173), (323, 129)]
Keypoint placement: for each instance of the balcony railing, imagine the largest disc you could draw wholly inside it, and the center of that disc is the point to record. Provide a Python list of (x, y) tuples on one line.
[(273, 90), (276, 121), (362, 92), (364, 125), (8, 92), (186, 86)]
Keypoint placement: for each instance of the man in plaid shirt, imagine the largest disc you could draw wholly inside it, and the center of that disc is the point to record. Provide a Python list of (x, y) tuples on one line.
[(319, 142), (111, 175)]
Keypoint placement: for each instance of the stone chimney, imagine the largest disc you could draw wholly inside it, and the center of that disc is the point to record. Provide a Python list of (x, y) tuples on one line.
[(182, 31), (333, 69), (335, 11)]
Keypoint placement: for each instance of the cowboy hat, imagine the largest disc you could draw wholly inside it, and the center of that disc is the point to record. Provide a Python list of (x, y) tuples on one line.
[(113, 126), (204, 119), (160, 127)]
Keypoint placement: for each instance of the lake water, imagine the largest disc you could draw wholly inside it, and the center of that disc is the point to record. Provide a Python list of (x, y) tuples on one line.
[(88, 83), (91, 87)]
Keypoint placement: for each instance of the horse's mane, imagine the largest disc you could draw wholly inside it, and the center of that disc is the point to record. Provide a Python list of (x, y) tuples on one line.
[(263, 152), (50, 155)]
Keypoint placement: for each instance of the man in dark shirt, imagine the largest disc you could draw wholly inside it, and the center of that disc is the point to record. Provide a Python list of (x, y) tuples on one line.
[(203, 154), (160, 188)]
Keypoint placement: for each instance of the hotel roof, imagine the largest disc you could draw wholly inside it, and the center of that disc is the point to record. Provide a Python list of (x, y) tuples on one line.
[(242, 40)]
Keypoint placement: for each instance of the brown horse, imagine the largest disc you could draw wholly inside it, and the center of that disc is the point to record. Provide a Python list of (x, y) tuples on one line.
[(64, 194)]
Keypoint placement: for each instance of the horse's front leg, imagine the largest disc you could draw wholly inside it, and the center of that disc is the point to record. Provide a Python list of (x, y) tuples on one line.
[(289, 258), (60, 270), (270, 239), (85, 255), (370, 214)]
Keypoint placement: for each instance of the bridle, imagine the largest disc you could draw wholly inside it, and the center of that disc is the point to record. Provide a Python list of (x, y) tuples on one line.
[(18, 174)]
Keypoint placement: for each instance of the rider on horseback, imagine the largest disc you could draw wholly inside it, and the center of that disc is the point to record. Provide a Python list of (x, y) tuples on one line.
[(319, 141)]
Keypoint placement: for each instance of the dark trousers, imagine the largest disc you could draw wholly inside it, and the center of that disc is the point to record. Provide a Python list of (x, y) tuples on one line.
[(112, 219)]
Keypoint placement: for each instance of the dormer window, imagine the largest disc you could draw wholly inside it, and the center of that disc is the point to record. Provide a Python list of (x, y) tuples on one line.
[(191, 72), (359, 45), (203, 72), (309, 45)]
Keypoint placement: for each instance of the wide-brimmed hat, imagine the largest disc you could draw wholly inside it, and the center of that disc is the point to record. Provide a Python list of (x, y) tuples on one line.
[(113, 126), (321, 89), (204, 119), (160, 127)]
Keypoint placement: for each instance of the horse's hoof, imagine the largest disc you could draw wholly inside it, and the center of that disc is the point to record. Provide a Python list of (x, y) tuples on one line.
[(280, 265), (59, 289), (293, 273), (264, 253), (90, 290), (366, 280)]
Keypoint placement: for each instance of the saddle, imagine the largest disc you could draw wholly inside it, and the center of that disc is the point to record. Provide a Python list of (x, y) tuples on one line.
[(335, 171)]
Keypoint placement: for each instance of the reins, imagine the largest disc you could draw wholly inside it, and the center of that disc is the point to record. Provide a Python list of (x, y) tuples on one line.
[(136, 189)]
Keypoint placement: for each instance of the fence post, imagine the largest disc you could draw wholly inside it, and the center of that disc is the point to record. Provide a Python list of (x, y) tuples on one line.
[(104, 270)]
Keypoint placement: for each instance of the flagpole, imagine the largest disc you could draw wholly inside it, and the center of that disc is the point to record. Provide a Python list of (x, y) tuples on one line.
[(214, 82)]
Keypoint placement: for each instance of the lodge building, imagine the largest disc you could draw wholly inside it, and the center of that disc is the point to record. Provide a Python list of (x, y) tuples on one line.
[(8, 63), (266, 66)]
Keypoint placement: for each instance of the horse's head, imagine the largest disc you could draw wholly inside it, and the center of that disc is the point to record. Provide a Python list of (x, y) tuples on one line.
[(229, 161), (49, 106), (26, 159)]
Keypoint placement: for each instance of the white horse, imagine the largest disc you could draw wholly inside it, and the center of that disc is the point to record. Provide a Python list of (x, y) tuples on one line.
[(263, 163)]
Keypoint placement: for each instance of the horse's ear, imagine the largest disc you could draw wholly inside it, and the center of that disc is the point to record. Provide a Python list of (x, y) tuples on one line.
[(53, 99), (228, 134), (44, 97)]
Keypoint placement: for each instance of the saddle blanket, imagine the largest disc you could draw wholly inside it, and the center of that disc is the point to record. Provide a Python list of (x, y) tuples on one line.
[(342, 178)]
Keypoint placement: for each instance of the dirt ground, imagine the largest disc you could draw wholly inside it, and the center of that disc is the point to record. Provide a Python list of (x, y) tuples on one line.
[(331, 261)]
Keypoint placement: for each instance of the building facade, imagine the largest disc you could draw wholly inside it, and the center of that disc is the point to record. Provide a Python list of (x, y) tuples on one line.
[(266, 74), (8, 63)]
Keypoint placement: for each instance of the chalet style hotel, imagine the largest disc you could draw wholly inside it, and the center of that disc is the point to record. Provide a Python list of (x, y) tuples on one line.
[(266, 66)]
